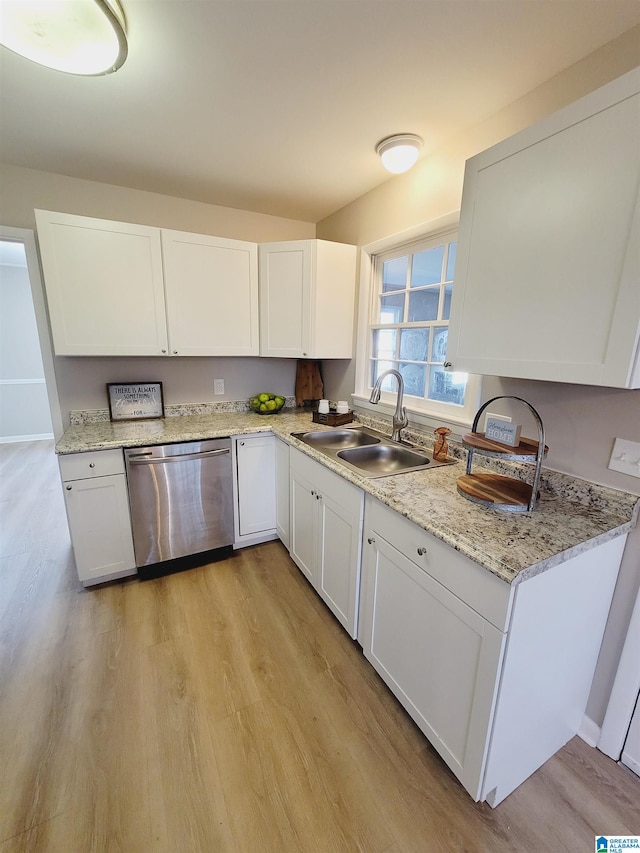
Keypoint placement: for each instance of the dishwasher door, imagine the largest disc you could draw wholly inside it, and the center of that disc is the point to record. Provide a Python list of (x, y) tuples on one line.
[(181, 499)]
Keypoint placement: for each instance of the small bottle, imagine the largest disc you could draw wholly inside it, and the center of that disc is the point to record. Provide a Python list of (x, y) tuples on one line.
[(441, 448)]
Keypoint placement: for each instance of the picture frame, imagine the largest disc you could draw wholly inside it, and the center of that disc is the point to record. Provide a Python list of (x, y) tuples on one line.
[(133, 401)]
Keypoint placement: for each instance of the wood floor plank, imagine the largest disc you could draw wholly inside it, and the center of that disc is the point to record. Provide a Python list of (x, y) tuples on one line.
[(188, 809)]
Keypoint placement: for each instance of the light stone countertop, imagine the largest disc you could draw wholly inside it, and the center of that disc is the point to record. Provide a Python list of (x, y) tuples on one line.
[(571, 516)]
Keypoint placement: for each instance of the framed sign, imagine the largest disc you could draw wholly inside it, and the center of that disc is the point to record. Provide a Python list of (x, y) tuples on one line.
[(132, 401)]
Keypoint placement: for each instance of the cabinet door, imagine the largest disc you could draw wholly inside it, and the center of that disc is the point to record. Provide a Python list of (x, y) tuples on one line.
[(333, 300), (282, 491), (439, 657), (212, 294), (304, 526), (255, 458), (104, 285), (285, 291), (339, 543), (548, 260), (100, 526)]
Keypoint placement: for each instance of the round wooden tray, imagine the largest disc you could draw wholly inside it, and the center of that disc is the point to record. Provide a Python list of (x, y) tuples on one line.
[(495, 491), (526, 451)]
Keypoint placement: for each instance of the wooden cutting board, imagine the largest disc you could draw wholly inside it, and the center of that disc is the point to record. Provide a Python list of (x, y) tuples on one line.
[(309, 384)]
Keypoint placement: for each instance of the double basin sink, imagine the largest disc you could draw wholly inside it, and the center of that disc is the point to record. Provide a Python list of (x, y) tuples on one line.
[(370, 453)]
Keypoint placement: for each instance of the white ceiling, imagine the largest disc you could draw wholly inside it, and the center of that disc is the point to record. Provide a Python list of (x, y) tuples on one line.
[(276, 105)]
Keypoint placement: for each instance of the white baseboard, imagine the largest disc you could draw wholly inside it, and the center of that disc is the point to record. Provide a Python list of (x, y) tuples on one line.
[(589, 731), (13, 439)]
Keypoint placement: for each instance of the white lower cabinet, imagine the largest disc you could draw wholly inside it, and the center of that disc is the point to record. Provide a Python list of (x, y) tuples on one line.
[(326, 528), (282, 492), (438, 655), (496, 676), (97, 503), (255, 488)]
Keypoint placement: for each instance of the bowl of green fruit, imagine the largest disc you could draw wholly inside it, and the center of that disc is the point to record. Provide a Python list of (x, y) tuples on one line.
[(266, 404)]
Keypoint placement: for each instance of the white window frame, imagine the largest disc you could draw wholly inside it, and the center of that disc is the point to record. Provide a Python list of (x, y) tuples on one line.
[(421, 411)]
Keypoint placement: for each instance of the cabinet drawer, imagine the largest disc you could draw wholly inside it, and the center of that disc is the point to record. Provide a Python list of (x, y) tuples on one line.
[(472, 583), (94, 463)]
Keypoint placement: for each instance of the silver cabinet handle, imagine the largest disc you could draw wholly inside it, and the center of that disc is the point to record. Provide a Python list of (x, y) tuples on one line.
[(371, 540), (241, 443), (68, 488), (447, 364), (422, 552), (163, 351), (92, 464), (175, 352), (313, 492)]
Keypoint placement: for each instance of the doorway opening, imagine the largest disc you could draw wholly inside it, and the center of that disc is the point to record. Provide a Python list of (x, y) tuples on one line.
[(29, 407)]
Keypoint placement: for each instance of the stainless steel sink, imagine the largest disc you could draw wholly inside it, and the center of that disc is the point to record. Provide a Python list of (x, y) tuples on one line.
[(368, 452), (384, 459), (338, 439)]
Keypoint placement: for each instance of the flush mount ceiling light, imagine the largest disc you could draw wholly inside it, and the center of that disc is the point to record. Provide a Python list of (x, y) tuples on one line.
[(85, 37), (398, 153)]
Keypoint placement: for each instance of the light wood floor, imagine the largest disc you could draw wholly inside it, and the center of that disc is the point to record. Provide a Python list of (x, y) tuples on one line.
[(224, 710)]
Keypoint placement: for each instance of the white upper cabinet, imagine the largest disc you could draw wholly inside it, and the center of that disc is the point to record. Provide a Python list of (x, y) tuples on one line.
[(307, 297), (104, 285), (211, 287), (115, 288), (547, 281)]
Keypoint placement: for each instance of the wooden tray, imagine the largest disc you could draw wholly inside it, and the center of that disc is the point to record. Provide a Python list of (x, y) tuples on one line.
[(332, 418), (494, 490), (525, 451)]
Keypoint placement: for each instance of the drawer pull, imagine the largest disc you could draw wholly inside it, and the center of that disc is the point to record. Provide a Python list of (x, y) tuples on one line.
[(92, 464), (371, 540), (422, 552), (68, 488)]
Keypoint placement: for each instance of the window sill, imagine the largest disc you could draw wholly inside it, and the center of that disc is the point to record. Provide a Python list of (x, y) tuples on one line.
[(419, 417)]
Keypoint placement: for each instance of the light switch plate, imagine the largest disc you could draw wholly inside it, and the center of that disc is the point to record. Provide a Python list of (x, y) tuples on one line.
[(625, 457)]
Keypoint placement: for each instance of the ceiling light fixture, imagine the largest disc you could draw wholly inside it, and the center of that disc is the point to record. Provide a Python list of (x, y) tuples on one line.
[(85, 37), (398, 153)]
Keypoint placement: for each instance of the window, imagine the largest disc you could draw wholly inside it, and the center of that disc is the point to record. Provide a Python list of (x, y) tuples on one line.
[(408, 324)]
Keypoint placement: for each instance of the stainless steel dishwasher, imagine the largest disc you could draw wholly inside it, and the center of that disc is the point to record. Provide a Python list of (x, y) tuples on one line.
[(181, 498)]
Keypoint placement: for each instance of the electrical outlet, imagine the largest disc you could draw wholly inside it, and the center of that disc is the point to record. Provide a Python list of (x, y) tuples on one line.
[(490, 416), (218, 386), (625, 457)]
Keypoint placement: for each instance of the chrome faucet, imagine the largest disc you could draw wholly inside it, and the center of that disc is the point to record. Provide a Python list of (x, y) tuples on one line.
[(400, 419)]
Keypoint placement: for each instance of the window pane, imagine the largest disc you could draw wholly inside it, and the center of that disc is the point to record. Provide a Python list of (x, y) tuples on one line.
[(447, 387), (451, 261), (446, 308), (394, 274), (423, 305), (414, 344), (384, 343), (414, 378), (392, 308), (440, 334), (379, 367), (426, 267)]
